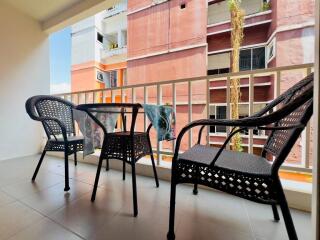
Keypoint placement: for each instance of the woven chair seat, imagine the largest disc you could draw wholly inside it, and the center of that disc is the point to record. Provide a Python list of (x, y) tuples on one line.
[(229, 160), (70, 139)]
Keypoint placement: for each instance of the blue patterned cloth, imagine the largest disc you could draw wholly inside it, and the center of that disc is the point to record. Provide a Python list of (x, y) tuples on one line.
[(161, 117), (91, 131)]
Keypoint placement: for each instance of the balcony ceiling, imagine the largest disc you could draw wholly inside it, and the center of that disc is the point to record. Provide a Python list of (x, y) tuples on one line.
[(41, 10), (57, 14)]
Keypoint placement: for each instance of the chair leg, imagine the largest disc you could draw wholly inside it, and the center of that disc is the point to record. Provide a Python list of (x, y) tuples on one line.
[(124, 170), (286, 215), (171, 235), (154, 170), (96, 181), (195, 186), (75, 159), (107, 165), (275, 212), (153, 163), (38, 165), (66, 169), (134, 189), (195, 189)]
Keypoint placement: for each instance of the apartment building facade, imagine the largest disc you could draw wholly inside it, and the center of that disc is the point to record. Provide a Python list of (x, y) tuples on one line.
[(158, 40)]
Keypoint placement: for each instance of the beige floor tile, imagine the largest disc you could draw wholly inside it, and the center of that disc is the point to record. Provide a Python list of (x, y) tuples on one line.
[(84, 217), (45, 230), (15, 217), (209, 215), (5, 199), (51, 199), (26, 187)]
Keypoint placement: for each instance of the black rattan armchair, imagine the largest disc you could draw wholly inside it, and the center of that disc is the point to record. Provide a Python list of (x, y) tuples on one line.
[(126, 145), (241, 174), (56, 116)]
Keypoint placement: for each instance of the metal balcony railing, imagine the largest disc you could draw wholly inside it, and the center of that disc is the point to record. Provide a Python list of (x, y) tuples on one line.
[(218, 13), (112, 52), (192, 98), (116, 9)]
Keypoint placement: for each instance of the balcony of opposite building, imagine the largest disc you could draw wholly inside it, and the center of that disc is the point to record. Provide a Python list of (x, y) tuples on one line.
[(257, 12)]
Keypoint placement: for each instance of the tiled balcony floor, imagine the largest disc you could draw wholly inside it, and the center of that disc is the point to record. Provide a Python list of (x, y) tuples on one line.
[(43, 211)]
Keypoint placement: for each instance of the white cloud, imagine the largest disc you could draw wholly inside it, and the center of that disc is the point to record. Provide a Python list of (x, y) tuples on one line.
[(60, 88)]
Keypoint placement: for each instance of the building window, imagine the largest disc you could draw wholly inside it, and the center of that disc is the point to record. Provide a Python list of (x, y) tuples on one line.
[(271, 50), (220, 112), (218, 71), (111, 79), (251, 59), (99, 37), (219, 63), (100, 76)]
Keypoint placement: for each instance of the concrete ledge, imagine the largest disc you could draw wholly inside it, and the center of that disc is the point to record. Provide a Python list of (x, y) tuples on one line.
[(298, 194)]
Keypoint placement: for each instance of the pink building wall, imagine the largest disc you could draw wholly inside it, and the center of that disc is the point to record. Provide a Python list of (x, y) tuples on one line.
[(161, 29)]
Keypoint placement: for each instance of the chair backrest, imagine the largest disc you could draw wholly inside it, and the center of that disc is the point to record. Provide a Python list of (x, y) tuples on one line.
[(280, 142), (53, 107)]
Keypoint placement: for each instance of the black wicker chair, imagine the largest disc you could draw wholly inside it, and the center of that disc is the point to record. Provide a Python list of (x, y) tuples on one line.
[(56, 116), (241, 174), (127, 146)]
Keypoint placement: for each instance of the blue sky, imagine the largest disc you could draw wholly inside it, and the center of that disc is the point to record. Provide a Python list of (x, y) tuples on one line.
[(60, 61)]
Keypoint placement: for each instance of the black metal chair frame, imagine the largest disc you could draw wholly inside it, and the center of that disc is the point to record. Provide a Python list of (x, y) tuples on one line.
[(56, 116), (299, 97), (127, 151)]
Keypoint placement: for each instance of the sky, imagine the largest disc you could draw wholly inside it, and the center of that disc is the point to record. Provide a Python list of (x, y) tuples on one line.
[(60, 61)]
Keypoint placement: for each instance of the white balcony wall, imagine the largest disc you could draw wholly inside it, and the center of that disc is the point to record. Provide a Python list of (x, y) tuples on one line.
[(83, 46), (219, 12), (115, 23), (24, 72)]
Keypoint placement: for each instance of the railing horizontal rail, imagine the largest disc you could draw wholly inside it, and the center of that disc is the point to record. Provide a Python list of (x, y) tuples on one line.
[(210, 77)]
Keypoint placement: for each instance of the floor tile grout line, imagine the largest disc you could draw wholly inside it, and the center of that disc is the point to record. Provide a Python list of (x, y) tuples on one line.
[(48, 217), (248, 217), (23, 197), (26, 227)]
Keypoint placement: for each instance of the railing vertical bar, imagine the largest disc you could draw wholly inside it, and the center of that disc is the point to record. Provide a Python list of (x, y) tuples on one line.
[(228, 106), (85, 97), (133, 95), (159, 144), (174, 106), (103, 96), (208, 109), (277, 84), (145, 101), (190, 111), (122, 95), (306, 140), (251, 99), (112, 100), (78, 98), (93, 97)]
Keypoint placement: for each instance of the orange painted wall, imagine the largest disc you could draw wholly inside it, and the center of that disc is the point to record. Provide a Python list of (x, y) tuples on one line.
[(183, 64), (84, 79), (84, 76)]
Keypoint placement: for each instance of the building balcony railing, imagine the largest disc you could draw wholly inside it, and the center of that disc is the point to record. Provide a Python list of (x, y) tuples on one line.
[(192, 98), (105, 53), (255, 14), (116, 9)]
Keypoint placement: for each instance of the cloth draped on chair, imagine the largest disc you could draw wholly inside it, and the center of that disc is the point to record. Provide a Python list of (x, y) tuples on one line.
[(162, 118)]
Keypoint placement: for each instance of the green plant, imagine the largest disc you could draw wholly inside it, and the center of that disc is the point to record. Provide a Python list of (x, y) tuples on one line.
[(237, 22), (265, 6)]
